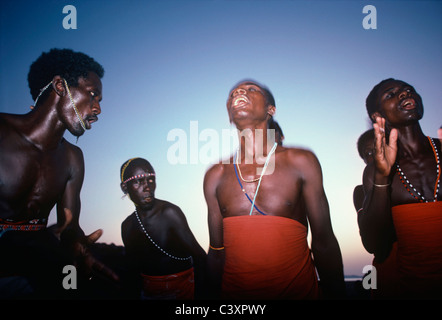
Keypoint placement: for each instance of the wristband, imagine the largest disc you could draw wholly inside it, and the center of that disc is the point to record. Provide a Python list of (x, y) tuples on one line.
[(381, 185)]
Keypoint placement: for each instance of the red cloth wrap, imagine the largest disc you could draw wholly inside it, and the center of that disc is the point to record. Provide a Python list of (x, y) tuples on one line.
[(419, 255), (267, 257), (179, 286)]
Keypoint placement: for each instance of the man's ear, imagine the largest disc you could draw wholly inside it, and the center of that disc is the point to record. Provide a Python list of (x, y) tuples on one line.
[(59, 86), (271, 110), (123, 187)]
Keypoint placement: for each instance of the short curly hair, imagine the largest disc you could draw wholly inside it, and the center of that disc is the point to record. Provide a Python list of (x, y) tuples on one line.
[(363, 140), (371, 103), (66, 63)]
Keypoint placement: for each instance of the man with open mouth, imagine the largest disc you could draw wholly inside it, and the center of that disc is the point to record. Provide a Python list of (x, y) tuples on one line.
[(402, 192), (260, 204)]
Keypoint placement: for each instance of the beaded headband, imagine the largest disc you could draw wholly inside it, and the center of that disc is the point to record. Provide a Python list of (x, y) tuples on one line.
[(139, 176), (125, 167)]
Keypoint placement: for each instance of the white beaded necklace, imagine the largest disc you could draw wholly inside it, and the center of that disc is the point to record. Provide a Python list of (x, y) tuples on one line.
[(405, 181), (155, 244)]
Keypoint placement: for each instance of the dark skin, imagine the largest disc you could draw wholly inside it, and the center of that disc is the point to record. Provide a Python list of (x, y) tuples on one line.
[(292, 190), (400, 108), (358, 192), (39, 169), (167, 226)]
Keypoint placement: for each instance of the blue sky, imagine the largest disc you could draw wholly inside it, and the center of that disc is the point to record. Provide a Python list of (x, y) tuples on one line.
[(169, 65)]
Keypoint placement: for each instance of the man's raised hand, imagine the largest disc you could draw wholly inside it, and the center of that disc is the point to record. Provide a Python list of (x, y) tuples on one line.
[(384, 154)]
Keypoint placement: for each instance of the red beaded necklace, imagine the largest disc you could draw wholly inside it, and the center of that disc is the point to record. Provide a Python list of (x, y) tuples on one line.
[(417, 195)]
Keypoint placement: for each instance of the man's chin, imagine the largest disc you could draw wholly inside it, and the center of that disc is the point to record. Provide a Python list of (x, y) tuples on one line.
[(77, 132), (148, 204)]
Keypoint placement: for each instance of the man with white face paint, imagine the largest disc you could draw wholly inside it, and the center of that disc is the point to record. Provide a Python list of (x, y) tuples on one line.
[(40, 169)]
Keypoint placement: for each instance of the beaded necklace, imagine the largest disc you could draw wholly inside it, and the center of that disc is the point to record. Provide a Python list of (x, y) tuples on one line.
[(244, 191), (417, 195), (259, 183), (239, 170), (155, 244)]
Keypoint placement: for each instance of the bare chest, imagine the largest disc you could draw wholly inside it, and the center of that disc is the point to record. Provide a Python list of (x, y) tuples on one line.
[(279, 193), (416, 180), (31, 181)]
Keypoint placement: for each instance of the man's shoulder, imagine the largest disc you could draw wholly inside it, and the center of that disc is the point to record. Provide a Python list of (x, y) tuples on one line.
[(72, 150), (7, 122), (6, 117), (3, 118), (217, 169), (129, 219), (213, 177), (128, 227), (167, 207), (171, 214), (297, 154), (3, 125), (301, 160)]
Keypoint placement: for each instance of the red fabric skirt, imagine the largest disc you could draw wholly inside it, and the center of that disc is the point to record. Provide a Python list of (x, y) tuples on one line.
[(419, 254), (267, 257), (178, 286)]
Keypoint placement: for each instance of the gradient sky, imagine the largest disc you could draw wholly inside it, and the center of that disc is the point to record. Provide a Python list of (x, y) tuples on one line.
[(169, 65)]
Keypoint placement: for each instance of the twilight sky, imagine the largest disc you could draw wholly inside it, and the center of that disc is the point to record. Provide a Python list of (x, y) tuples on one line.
[(169, 66)]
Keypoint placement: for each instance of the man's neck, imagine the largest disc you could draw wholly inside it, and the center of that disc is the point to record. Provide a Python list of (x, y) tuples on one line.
[(255, 143), (411, 141), (146, 211), (43, 128)]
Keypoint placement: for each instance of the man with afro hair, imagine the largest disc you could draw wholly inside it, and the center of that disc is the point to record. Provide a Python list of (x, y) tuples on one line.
[(39, 169)]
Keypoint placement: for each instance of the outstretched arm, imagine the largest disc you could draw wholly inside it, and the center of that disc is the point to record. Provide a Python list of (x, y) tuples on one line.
[(70, 232)]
